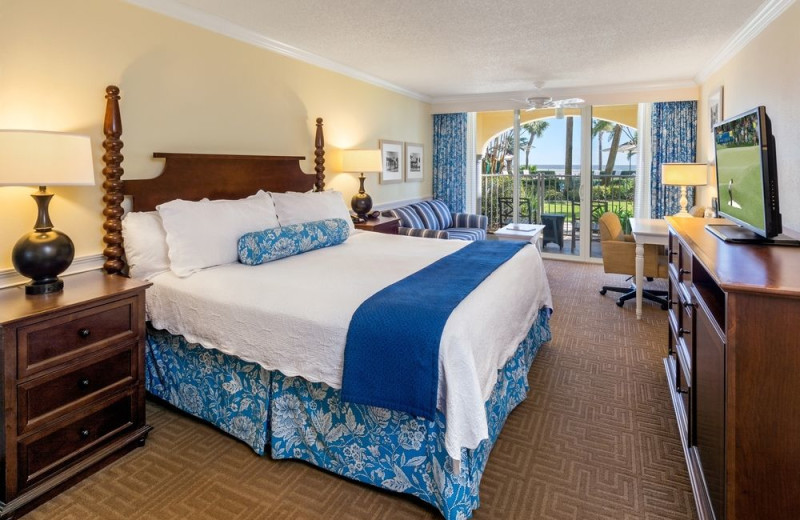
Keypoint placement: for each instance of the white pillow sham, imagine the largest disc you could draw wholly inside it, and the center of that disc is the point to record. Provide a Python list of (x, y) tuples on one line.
[(299, 208), (145, 244), (205, 233)]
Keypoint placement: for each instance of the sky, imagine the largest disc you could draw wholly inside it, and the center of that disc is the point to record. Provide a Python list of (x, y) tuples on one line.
[(549, 149)]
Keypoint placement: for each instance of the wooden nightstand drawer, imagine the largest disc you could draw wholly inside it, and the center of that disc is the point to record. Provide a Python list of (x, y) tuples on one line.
[(70, 388), (73, 384), (48, 343), (42, 454)]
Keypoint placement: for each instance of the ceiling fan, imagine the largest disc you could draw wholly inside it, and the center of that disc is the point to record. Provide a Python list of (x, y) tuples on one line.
[(536, 102)]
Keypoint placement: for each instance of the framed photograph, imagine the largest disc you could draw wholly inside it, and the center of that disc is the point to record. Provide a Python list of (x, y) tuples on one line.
[(392, 161), (715, 108), (414, 170)]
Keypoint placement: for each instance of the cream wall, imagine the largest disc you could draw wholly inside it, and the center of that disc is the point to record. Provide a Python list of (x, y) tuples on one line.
[(766, 72), (184, 89)]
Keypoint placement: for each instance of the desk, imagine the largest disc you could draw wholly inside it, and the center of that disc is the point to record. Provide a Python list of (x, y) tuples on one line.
[(646, 231), (531, 233)]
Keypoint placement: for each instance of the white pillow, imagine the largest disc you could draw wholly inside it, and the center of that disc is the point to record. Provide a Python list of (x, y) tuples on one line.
[(145, 244), (299, 208), (206, 233)]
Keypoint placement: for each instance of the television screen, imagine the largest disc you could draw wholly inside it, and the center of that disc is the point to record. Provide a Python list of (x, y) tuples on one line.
[(739, 171)]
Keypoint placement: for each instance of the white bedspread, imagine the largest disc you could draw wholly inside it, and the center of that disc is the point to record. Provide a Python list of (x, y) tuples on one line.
[(292, 315)]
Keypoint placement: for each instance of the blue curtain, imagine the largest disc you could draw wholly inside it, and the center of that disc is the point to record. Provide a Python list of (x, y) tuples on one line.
[(450, 159), (673, 134)]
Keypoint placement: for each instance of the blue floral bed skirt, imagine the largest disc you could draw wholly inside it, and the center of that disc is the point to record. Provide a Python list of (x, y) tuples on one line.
[(308, 421)]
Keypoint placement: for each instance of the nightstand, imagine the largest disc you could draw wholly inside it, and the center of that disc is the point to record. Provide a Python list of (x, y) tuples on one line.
[(73, 384), (381, 224)]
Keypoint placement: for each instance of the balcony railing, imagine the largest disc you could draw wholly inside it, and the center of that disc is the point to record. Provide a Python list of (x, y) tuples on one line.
[(545, 192)]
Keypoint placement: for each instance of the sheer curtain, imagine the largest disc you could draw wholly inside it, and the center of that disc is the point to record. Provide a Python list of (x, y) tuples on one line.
[(450, 159), (673, 136), (641, 197)]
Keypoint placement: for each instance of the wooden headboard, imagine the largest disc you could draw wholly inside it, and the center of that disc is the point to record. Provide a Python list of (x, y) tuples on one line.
[(192, 177)]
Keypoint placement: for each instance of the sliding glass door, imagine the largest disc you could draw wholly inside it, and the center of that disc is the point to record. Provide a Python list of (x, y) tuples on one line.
[(539, 166)]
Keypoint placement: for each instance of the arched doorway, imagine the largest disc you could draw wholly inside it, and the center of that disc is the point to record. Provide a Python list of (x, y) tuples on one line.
[(551, 181)]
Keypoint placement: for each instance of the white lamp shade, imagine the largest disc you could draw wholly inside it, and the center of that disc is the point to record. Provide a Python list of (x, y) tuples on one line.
[(359, 161), (684, 174), (33, 158)]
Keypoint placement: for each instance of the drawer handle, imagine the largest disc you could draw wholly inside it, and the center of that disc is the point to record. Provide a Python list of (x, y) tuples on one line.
[(682, 332), (672, 302), (688, 305), (681, 390), (672, 253), (84, 433), (684, 271), (84, 383), (84, 332)]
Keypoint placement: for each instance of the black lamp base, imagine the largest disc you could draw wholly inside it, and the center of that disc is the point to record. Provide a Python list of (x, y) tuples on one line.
[(361, 201), (36, 287), (43, 254)]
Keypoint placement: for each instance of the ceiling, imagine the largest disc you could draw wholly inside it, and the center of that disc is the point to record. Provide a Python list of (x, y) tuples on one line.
[(443, 50)]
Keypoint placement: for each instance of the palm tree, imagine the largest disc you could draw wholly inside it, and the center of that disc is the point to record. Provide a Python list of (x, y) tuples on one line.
[(535, 129), (616, 132), (600, 127), (568, 156)]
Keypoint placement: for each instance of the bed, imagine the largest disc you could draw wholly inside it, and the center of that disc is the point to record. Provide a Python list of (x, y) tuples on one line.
[(278, 386)]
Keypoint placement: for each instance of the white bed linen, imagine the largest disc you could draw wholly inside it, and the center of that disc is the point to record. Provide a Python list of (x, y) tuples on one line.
[(292, 315)]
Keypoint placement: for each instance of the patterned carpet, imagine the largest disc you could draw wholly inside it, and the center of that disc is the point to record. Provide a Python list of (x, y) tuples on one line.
[(596, 439)]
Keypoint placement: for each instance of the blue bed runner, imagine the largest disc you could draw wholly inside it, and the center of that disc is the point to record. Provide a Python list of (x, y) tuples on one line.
[(391, 357)]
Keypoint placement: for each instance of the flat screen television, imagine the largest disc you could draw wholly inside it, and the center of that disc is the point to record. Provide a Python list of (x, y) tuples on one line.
[(747, 180)]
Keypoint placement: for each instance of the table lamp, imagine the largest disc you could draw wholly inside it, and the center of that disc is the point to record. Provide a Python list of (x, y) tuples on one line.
[(684, 174), (360, 161), (33, 158)]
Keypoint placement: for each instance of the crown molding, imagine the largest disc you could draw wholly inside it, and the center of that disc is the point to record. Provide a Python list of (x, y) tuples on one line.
[(9, 277), (195, 17), (565, 92), (767, 13)]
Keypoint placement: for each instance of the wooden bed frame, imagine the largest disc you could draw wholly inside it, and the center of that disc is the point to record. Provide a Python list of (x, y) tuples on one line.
[(192, 177)]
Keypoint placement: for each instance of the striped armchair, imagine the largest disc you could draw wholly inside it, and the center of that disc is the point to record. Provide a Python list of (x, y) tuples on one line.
[(433, 219)]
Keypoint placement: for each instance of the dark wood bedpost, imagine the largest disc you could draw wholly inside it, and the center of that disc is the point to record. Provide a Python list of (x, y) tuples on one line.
[(112, 128), (319, 157)]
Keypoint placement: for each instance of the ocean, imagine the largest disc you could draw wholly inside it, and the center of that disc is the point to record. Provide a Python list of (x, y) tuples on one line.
[(619, 169)]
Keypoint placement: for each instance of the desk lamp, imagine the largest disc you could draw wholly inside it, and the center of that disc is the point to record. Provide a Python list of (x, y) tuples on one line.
[(33, 158), (684, 174), (361, 161)]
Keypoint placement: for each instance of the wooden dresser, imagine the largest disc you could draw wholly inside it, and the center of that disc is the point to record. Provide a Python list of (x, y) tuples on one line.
[(733, 367), (73, 384)]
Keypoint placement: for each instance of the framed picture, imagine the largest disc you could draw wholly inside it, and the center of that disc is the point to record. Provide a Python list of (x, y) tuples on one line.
[(392, 161), (414, 170), (715, 108)]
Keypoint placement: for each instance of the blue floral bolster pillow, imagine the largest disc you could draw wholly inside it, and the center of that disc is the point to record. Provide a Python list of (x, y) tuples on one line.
[(271, 244)]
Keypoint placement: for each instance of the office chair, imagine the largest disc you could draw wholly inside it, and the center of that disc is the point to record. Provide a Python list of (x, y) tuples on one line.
[(619, 257)]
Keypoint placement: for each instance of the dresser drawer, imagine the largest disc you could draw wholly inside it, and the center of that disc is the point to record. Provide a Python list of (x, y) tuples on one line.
[(685, 270), (67, 389), (46, 344), (42, 454)]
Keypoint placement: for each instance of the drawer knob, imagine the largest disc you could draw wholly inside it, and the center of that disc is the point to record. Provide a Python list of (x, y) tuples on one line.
[(84, 332), (84, 383), (84, 433)]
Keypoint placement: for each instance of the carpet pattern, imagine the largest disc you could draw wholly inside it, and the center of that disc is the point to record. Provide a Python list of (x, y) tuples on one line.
[(596, 439)]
